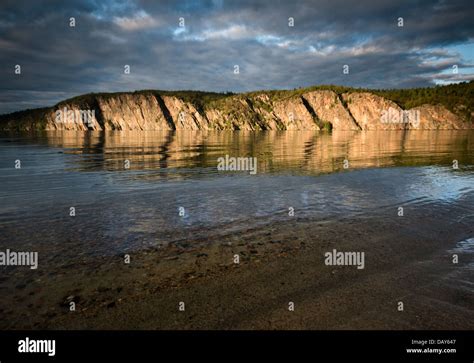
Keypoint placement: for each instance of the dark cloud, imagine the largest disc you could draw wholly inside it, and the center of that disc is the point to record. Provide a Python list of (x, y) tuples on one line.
[(59, 61)]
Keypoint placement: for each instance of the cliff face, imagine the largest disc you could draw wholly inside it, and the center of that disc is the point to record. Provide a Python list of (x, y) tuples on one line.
[(132, 112), (367, 110), (312, 110), (438, 117), (328, 107)]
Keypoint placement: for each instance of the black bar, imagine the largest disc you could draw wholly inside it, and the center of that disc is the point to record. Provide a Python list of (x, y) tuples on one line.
[(226, 345)]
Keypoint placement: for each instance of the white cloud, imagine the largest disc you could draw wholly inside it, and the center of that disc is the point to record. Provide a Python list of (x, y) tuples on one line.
[(233, 32), (138, 21)]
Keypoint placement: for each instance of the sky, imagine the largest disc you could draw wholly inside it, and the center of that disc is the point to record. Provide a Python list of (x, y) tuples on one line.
[(196, 45)]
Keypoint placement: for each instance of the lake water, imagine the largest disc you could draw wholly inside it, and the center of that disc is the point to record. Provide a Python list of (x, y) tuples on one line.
[(160, 197), (119, 209)]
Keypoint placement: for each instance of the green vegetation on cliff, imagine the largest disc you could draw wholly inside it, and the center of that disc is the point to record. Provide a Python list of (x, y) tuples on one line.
[(458, 98)]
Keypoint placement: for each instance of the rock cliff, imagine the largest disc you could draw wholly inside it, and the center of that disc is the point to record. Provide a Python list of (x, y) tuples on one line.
[(287, 110)]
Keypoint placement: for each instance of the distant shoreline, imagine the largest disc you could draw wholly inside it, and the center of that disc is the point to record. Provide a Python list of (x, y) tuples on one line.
[(313, 108)]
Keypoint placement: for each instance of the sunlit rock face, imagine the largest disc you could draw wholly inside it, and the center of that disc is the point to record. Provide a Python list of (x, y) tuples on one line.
[(312, 110), (328, 107), (368, 110), (70, 116), (184, 115), (234, 113), (437, 117), (132, 112), (295, 115)]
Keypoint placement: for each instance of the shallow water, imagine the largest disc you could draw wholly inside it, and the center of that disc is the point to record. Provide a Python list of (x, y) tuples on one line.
[(119, 209)]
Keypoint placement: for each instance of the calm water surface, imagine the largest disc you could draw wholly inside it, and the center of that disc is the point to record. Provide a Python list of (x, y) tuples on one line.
[(119, 210)]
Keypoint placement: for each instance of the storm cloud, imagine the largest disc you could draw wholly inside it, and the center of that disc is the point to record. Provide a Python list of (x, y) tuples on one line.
[(175, 45)]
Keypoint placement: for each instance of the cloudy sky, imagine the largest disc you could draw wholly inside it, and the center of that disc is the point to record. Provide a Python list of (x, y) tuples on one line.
[(197, 44)]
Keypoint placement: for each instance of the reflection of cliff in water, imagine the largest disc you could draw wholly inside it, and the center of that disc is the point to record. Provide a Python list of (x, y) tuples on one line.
[(300, 151)]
